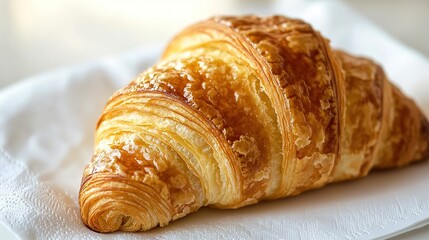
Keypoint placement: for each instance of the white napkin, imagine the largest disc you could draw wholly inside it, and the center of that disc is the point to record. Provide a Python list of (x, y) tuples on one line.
[(46, 137)]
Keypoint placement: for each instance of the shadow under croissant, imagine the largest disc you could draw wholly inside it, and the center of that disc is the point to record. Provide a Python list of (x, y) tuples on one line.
[(334, 198)]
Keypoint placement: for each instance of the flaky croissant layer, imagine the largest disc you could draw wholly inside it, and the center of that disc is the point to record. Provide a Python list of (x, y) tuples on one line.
[(239, 110)]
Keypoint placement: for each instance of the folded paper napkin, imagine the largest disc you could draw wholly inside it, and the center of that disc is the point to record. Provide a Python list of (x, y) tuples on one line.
[(46, 137)]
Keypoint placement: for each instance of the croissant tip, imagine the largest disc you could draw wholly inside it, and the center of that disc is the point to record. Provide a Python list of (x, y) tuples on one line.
[(424, 133), (137, 208)]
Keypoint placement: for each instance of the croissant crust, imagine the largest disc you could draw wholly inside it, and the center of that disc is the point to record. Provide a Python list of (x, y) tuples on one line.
[(240, 110)]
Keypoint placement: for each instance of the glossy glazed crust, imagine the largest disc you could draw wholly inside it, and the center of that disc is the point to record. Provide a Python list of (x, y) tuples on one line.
[(239, 110)]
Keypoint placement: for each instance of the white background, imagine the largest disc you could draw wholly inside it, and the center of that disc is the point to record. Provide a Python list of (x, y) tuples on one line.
[(38, 35)]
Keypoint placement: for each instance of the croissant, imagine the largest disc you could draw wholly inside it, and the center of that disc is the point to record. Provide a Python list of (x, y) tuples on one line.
[(241, 110)]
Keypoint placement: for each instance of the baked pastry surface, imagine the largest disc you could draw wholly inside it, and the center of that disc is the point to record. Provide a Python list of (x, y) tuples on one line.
[(239, 110)]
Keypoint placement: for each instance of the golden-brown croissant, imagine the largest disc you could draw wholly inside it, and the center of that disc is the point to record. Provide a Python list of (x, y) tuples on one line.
[(240, 110)]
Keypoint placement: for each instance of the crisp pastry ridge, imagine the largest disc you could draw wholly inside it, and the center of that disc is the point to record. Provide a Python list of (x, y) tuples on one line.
[(240, 110)]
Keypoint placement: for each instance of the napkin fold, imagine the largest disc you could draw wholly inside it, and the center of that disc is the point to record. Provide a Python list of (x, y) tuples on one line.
[(47, 125)]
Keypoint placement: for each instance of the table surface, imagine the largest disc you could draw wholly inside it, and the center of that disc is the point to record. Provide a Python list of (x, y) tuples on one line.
[(28, 46)]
